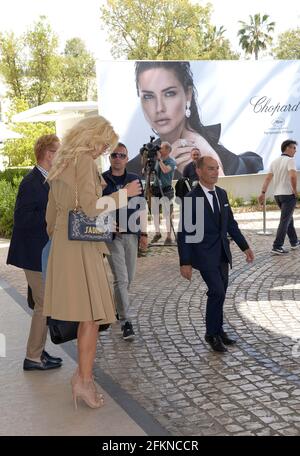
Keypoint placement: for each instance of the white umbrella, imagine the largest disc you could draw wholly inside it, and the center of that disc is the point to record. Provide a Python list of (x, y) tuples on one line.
[(5, 133)]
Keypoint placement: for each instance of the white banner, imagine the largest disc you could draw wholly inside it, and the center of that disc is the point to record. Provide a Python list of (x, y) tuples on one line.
[(246, 108)]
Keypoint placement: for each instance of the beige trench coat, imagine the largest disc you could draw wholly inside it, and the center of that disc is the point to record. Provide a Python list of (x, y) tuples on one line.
[(77, 287)]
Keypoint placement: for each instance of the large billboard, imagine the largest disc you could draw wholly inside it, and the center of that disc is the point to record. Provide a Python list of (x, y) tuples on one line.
[(237, 111)]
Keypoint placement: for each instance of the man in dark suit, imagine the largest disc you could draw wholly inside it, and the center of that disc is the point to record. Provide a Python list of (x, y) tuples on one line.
[(189, 170), (210, 255), (28, 240)]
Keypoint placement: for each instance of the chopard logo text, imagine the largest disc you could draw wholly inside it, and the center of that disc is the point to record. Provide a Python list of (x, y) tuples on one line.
[(265, 104)]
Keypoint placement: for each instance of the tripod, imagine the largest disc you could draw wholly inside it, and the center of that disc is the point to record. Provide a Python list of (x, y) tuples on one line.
[(150, 173)]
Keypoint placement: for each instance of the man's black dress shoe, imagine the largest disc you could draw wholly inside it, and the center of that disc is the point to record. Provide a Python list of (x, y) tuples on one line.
[(226, 339), (46, 357), (216, 343), (43, 365)]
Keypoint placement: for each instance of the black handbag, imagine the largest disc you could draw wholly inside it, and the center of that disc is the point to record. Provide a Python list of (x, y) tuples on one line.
[(84, 228), (63, 331), (183, 186)]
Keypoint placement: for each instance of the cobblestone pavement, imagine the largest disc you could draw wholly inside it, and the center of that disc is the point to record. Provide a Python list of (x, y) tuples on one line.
[(169, 370)]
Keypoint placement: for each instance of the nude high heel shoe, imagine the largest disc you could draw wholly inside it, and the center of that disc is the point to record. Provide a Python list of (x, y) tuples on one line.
[(86, 391), (75, 377)]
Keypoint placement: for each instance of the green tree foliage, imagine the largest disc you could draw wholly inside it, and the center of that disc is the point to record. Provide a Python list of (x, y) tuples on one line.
[(168, 29), (77, 73), (34, 70), (19, 152), (288, 46), (12, 64), (8, 194), (36, 73), (29, 63), (216, 46), (42, 63), (256, 35)]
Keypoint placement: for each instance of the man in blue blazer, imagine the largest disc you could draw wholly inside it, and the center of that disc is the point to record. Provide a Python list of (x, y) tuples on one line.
[(210, 254), (28, 240)]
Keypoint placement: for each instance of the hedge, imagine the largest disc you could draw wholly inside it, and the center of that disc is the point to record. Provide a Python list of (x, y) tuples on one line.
[(9, 184), (10, 173)]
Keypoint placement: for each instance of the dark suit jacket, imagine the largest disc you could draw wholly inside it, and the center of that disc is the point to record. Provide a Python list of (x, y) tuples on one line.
[(29, 232), (190, 171), (214, 248)]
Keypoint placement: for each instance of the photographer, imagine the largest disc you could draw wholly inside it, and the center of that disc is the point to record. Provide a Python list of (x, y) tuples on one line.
[(164, 167)]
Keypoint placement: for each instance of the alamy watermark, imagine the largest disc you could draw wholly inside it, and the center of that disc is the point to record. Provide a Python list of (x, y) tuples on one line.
[(134, 214)]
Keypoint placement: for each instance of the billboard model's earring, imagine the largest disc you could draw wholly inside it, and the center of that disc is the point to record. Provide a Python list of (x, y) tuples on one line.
[(187, 110)]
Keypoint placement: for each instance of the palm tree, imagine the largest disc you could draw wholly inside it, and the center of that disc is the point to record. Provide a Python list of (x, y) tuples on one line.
[(255, 36)]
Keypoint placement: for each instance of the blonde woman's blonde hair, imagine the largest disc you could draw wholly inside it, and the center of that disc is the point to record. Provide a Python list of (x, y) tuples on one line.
[(88, 134)]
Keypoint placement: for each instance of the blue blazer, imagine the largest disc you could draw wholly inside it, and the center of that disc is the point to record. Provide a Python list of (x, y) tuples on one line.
[(214, 247), (29, 232)]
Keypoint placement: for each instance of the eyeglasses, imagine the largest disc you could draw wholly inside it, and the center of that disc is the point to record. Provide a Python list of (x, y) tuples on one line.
[(118, 155)]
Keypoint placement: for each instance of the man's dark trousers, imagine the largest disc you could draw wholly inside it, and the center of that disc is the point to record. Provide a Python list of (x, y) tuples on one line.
[(217, 283), (287, 204), (212, 256)]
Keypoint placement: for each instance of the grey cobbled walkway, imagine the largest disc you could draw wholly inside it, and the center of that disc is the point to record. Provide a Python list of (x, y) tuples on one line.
[(171, 373)]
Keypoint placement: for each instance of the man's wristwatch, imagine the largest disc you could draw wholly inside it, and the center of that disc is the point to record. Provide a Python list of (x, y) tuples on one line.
[(263, 192), (144, 234)]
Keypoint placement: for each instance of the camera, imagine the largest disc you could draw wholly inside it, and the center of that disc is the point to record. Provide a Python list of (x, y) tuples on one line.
[(149, 154)]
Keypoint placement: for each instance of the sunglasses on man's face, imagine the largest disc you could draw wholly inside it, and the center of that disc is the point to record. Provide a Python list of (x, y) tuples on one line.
[(118, 155)]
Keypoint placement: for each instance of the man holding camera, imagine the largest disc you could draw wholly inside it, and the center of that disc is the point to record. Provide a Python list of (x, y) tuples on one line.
[(162, 186), (124, 248)]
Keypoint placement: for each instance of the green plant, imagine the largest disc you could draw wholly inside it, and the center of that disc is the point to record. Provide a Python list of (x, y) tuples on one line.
[(239, 201), (230, 198), (270, 201), (8, 193), (9, 174), (235, 201), (253, 200)]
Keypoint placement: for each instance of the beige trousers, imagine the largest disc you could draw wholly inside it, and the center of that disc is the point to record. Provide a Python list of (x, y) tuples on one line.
[(38, 330)]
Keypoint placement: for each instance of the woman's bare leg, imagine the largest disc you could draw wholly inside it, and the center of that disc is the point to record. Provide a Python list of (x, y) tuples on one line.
[(87, 341)]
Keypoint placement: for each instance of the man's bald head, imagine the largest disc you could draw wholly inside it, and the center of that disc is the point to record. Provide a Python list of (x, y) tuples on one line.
[(206, 160), (207, 169)]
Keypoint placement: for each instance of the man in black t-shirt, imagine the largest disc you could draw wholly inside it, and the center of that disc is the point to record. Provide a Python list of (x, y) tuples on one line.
[(124, 248)]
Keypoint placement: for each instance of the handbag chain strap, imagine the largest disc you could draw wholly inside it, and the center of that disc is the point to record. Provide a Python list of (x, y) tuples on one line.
[(76, 188)]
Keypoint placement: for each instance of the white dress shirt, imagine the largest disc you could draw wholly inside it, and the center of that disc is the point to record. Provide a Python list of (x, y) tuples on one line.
[(43, 171), (209, 196)]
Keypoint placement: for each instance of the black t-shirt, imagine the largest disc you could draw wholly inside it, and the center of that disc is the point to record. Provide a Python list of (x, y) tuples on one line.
[(119, 181)]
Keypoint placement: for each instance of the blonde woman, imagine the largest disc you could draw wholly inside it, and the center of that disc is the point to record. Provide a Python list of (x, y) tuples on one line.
[(77, 288)]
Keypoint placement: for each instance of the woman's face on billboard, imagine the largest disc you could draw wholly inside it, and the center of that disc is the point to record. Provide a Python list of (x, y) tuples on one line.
[(163, 101)]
